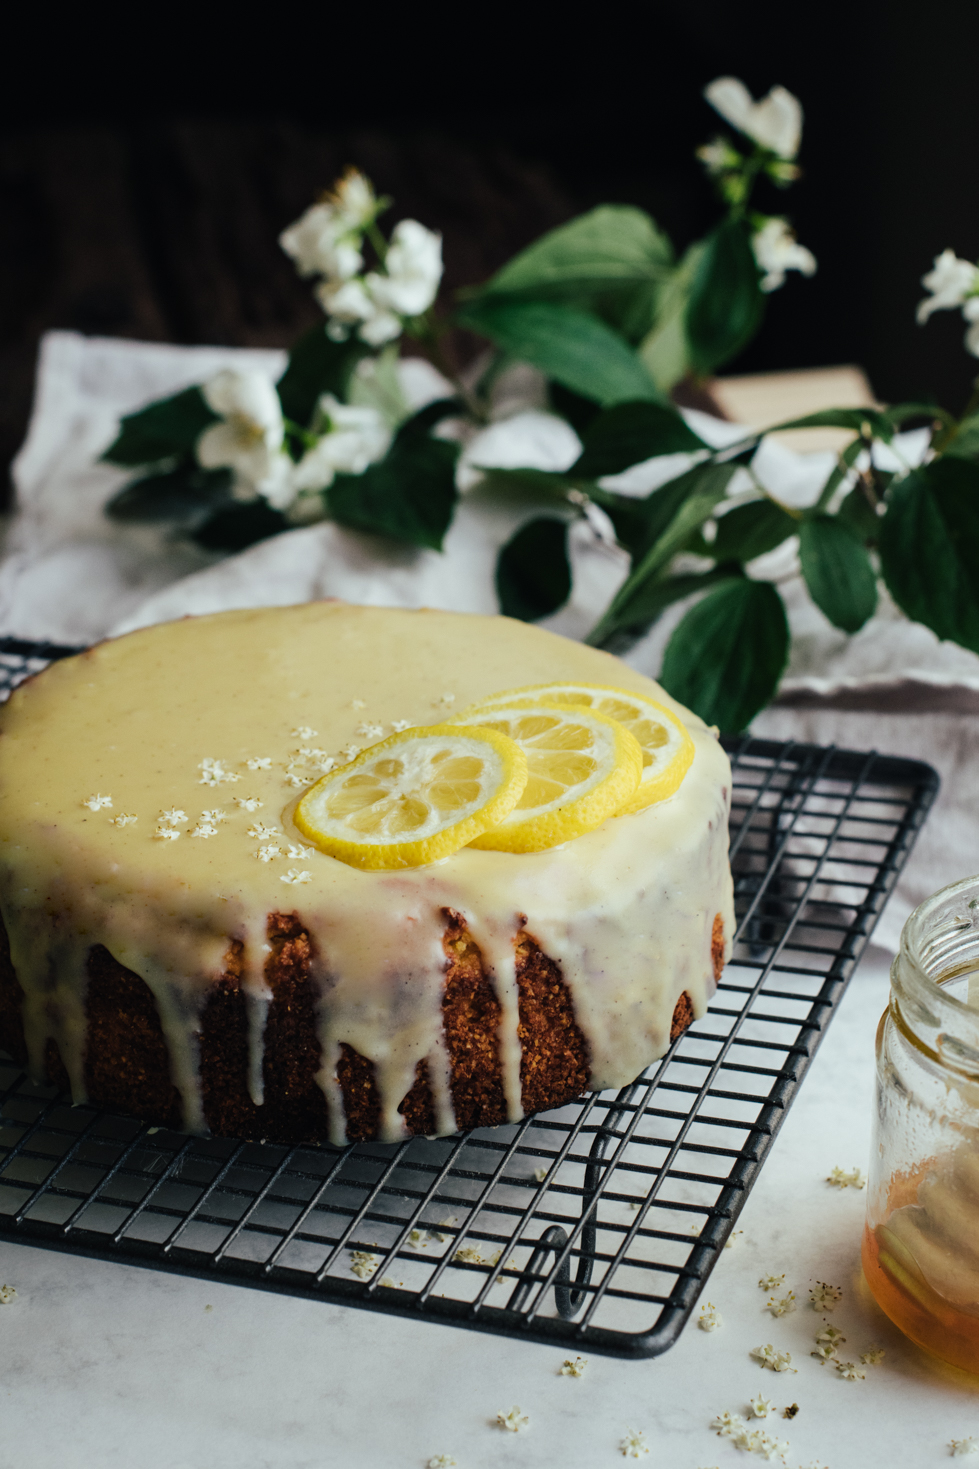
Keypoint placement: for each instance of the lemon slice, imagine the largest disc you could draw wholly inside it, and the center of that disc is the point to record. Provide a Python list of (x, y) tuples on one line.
[(414, 798), (667, 749), (582, 766)]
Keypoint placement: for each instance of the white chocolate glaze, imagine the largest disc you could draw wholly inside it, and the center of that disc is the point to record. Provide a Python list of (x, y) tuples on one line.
[(258, 701)]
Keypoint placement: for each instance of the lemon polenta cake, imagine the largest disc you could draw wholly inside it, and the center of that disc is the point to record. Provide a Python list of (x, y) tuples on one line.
[(331, 872)]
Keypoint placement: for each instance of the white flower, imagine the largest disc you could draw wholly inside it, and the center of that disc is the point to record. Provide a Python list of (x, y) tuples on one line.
[(363, 1263), (950, 281), (248, 437), (777, 250), (96, 803), (634, 1445), (573, 1367), (412, 270), (964, 1448), (514, 1421), (774, 123), (355, 438), (710, 1318), (761, 1407), (292, 876), (321, 243)]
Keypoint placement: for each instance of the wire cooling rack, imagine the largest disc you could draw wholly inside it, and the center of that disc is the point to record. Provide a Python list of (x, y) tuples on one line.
[(594, 1226)]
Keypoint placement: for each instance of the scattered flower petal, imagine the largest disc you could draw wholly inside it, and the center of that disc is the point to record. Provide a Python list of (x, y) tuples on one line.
[(873, 1356), (782, 1307), (771, 1282), (294, 876), (125, 818), (964, 1448), (761, 1407), (7, 1294), (97, 803), (825, 1297), (363, 1263), (514, 1421), (573, 1367), (634, 1445), (249, 803), (850, 1371), (710, 1318), (839, 1179)]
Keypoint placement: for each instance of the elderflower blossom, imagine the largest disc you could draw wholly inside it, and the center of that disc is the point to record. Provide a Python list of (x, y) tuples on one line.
[(782, 1307), (710, 1318), (831, 1335), (953, 283), (964, 1448), (325, 240), (247, 437), (777, 250), (850, 1371), (771, 1282), (440, 1461), (573, 1367), (825, 1297), (761, 1407), (363, 1263), (634, 1445), (351, 438), (96, 803), (513, 1422), (873, 1357), (7, 1294), (774, 123)]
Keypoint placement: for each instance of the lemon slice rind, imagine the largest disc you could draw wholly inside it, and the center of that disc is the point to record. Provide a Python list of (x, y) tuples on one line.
[(581, 806), (664, 765), (399, 804)]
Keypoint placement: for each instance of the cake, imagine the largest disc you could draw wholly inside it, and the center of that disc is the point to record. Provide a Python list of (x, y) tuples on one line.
[(175, 948)]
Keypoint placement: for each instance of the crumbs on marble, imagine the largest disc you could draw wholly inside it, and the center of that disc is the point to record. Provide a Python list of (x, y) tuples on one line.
[(634, 1445), (573, 1367), (840, 1179), (513, 1422)]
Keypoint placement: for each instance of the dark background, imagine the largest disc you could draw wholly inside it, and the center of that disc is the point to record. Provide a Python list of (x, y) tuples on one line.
[(149, 159)]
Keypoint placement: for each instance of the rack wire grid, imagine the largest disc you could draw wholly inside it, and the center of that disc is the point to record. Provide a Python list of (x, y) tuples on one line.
[(594, 1226)]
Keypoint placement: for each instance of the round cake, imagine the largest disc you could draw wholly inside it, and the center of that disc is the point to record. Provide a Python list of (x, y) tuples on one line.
[(177, 949)]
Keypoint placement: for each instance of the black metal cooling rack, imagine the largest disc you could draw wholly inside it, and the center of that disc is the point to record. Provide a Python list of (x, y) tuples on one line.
[(595, 1226)]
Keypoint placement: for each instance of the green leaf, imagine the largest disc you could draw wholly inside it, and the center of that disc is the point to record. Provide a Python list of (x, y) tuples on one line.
[(964, 443), (839, 473), (533, 574), (929, 548), (164, 429), (186, 494), (851, 418), (750, 530), (629, 433), (857, 512), (411, 494), (317, 366), (238, 526), (650, 599), (726, 656), (838, 573), (571, 346), (665, 351), (537, 484), (900, 412), (726, 303), (612, 246), (673, 513)]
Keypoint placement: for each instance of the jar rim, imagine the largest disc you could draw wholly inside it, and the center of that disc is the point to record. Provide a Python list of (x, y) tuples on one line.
[(939, 940)]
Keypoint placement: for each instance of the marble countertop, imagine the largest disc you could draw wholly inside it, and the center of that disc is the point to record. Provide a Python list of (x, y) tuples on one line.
[(107, 1365)]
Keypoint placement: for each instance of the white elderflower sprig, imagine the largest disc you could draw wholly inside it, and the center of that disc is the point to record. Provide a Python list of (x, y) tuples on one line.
[(248, 803), (776, 1361), (214, 773), (873, 1356), (214, 816), (964, 1448), (7, 1294), (825, 1297), (296, 877), (634, 1445), (248, 435), (733, 1238), (304, 732), (398, 725), (370, 731), (774, 123), (771, 1282), (761, 1407), (204, 829), (514, 1421), (98, 803), (573, 1367), (782, 1307), (269, 852), (363, 1263), (840, 1179), (259, 762), (710, 1319), (167, 833), (259, 832), (953, 283), (830, 1334), (440, 1461), (125, 818), (726, 1425), (173, 817), (777, 250), (825, 1354)]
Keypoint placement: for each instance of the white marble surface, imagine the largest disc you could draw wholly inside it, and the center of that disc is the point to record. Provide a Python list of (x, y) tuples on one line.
[(105, 1367)]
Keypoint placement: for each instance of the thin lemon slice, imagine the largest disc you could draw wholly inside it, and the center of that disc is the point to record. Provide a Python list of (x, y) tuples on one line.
[(414, 798), (667, 749), (581, 768)]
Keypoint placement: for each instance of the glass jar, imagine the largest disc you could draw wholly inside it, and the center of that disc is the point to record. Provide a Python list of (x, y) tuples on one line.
[(921, 1243)]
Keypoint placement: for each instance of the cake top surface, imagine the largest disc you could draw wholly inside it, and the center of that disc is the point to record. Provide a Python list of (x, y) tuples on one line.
[(180, 750)]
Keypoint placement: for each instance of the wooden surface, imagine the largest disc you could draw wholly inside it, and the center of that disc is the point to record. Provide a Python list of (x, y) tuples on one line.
[(169, 232)]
